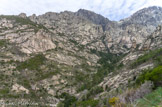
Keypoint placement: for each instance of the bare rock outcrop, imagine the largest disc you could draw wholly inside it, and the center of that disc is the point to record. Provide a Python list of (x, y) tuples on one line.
[(39, 42)]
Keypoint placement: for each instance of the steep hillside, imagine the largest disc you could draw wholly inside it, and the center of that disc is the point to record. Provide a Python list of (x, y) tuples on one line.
[(44, 63), (130, 33), (138, 70), (78, 58)]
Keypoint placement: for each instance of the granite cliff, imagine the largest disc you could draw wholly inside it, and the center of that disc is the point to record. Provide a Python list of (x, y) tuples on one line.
[(82, 56)]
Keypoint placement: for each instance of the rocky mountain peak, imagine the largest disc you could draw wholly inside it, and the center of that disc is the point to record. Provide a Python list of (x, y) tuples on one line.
[(93, 17), (119, 36), (147, 16), (22, 15)]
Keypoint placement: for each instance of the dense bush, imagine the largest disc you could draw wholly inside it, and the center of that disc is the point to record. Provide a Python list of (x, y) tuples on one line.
[(154, 75), (68, 99), (108, 62), (148, 56), (113, 101), (4, 91), (2, 43), (33, 63), (88, 103), (159, 60), (93, 91)]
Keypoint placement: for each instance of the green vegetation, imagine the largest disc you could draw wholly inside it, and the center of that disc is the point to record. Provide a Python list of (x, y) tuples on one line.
[(148, 56), (2, 43), (94, 91), (24, 21), (154, 75), (113, 101), (33, 63), (153, 99), (61, 34), (80, 46), (4, 91), (24, 82), (158, 60), (88, 103), (68, 99), (108, 62), (18, 19), (44, 76), (71, 101), (74, 42)]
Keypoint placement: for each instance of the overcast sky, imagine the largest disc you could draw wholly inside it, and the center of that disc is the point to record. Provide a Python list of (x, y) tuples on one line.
[(112, 9)]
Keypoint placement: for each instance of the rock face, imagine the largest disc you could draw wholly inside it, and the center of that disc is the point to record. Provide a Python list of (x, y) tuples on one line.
[(31, 42), (38, 42), (18, 88), (122, 78), (123, 36), (52, 54), (22, 15), (147, 16), (131, 32), (93, 17), (6, 23), (154, 40), (91, 30)]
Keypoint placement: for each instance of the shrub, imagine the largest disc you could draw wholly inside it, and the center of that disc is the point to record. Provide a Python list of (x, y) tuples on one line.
[(68, 99), (95, 90), (154, 75), (158, 60), (2, 43), (61, 34), (108, 62), (141, 78), (113, 101), (74, 42), (60, 104), (32, 63), (150, 55), (4, 91), (45, 75), (87, 103)]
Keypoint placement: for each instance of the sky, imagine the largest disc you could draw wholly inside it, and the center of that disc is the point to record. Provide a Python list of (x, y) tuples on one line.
[(112, 9)]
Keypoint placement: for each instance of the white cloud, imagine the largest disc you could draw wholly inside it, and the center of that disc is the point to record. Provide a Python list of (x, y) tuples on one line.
[(113, 9)]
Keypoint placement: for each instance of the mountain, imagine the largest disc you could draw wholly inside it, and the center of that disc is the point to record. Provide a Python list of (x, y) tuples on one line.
[(146, 16), (94, 18), (78, 58)]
